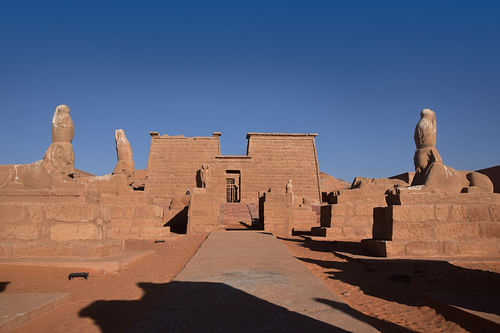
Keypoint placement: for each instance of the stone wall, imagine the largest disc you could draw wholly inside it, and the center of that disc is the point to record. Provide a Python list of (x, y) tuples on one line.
[(277, 213), (279, 157), (428, 224), (271, 160), (203, 213), (76, 226), (174, 162), (350, 217), (283, 214)]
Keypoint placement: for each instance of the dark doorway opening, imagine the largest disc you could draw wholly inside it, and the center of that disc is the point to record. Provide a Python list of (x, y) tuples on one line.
[(233, 186)]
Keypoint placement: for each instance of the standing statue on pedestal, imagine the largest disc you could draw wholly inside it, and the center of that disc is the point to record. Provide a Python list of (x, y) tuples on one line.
[(204, 175), (289, 187)]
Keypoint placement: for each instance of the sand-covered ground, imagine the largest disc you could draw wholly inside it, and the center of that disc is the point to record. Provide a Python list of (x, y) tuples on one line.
[(391, 295), (404, 295), (105, 302)]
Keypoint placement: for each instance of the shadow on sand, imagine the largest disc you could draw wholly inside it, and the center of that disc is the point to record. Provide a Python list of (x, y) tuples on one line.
[(198, 307), (432, 283)]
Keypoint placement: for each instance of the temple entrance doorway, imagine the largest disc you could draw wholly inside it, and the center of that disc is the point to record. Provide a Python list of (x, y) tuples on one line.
[(233, 186)]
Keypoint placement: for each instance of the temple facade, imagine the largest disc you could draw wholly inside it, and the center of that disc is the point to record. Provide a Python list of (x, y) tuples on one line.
[(179, 164)]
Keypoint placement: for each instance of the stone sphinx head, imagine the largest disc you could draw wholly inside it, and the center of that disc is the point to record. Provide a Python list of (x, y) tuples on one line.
[(60, 158)]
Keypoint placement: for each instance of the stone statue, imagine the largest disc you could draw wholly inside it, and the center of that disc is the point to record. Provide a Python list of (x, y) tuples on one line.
[(125, 164), (63, 128), (59, 157), (204, 175), (57, 164), (289, 186), (426, 130), (431, 172)]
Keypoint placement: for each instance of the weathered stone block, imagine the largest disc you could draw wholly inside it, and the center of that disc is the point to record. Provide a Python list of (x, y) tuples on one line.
[(444, 231), (19, 231), (424, 248), (450, 248), (129, 211), (121, 222), (342, 209), (363, 221), (495, 213), (151, 222), (36, 213), (483, 248), (338, 221), (112, 212), (144, 211), (11, 213), (383, 248), (490, 230), (153, 232), (394, 249), (363, 209), (458, 213), (72, 212), (478, 212), (412, 231), (116, 232), (74, 231), (442, 212), (413, 213)]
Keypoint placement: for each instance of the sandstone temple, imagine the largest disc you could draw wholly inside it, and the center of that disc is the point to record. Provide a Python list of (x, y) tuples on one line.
[(50, 208)]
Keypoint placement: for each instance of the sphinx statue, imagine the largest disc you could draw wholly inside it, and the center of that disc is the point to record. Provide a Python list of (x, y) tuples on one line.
[(431, 173), (125, 164), (57, 165), (59, 158)]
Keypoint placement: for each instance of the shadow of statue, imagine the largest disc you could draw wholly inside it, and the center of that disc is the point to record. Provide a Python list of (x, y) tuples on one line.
[(433, 283), (198, 307)]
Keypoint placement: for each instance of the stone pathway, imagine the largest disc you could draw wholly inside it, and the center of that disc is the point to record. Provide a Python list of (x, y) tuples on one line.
[(247, 281), (16, 309)]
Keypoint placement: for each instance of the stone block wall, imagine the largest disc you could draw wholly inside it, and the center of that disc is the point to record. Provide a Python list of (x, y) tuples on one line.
[(271, 160), (351, 217), (203, 213), (282, 215), (279, 157), (427, 226), (40, 228), (277, 213), (174, 162)]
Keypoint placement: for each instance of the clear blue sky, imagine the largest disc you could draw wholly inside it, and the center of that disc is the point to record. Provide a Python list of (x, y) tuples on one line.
[(355, 72)]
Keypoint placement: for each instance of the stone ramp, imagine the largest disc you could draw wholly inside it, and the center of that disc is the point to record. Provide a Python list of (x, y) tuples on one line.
[(17, 309), (247, 281), (236, 216)]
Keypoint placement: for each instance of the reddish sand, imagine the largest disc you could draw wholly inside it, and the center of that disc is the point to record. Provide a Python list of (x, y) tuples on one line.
[(399, 295), (390, 293), (78, 313)]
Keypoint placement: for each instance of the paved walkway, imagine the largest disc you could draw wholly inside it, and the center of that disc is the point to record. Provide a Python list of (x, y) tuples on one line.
[(17, 309), (247, 281)]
